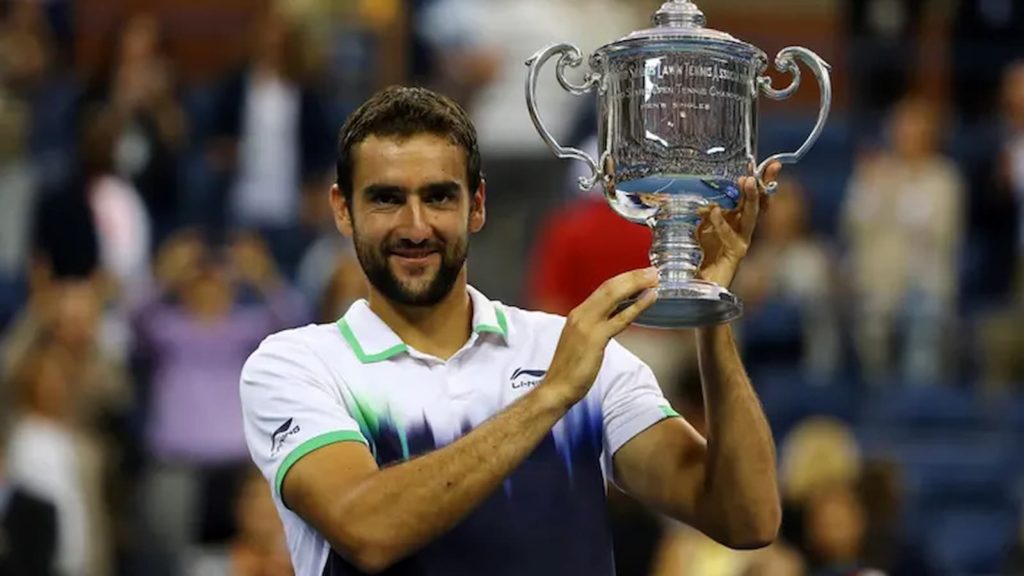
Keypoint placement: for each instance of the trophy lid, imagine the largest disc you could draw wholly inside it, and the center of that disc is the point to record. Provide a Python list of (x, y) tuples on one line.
[(679, 21)]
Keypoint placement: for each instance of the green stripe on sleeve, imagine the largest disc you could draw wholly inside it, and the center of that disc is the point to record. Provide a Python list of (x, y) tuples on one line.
[(312, 445), (669, 412)]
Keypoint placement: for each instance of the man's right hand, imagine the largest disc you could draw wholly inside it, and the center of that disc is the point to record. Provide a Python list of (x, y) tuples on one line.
[(589, 328)]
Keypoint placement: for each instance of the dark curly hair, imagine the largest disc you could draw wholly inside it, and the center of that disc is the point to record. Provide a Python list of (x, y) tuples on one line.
[(404, 112)]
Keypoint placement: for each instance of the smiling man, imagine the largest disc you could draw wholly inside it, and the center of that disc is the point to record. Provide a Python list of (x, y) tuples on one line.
[(432, 431)]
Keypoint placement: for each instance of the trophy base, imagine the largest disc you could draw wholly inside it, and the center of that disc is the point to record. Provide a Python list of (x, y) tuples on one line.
[(691, 305)]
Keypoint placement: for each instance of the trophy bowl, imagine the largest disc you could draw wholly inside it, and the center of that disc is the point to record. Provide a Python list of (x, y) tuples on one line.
[(677, 128)]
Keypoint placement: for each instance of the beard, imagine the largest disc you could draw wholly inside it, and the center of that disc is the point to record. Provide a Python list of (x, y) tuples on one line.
[(423, 291)]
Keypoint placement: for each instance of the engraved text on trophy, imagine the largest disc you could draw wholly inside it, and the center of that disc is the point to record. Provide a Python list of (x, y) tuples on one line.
[(678, 124)]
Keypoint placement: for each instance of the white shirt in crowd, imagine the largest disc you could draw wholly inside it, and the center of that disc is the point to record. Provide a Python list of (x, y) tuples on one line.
[(266, 190)]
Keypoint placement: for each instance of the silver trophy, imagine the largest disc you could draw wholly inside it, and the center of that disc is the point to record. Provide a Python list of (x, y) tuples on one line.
[(677, 114)]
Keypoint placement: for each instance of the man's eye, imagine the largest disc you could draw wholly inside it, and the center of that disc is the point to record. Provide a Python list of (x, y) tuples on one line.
[(386, 199), (440, 197)]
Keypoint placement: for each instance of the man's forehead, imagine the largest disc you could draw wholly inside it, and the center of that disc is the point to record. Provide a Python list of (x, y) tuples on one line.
[(408, 160), (412, 147)]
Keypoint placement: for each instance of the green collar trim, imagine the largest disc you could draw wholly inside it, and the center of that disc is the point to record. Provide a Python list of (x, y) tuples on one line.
[(490, 318), (350, 337), (501, 328)]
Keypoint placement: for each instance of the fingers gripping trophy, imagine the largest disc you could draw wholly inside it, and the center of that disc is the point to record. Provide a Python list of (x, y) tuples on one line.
[(677, 114)]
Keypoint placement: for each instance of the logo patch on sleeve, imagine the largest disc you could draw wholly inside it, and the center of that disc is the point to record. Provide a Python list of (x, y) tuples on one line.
[(278, 438)]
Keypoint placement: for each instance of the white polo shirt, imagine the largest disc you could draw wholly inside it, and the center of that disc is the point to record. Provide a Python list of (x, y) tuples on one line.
[(355, 380)]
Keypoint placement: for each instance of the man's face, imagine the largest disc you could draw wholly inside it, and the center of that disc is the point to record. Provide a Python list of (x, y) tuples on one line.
[(410, 216)]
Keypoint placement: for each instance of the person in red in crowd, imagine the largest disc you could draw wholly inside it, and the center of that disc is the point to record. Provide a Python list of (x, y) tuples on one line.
[(581, 246)]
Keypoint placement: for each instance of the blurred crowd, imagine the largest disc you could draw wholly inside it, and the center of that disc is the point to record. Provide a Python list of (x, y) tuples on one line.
[(153, 230)]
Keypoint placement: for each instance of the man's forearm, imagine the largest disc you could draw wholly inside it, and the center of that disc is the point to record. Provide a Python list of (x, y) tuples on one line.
[(401, 508), (741, 495)]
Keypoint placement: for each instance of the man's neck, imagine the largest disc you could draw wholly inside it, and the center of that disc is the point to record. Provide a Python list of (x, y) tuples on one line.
[(439, 330)]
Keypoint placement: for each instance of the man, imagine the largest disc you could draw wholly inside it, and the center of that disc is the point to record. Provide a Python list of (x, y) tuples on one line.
[(433, 431), (28, 526)]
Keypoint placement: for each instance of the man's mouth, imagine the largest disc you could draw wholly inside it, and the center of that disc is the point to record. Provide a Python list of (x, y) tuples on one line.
[(413, 255)]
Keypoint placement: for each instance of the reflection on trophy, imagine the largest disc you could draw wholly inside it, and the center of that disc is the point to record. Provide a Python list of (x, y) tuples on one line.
[(677, 110)]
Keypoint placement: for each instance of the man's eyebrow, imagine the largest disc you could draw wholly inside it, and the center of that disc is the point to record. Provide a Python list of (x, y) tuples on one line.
[(449, 187), (375, 189)]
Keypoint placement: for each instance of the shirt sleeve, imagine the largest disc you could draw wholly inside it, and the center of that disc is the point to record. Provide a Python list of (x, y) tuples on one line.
[(291, 406), (631, 400)]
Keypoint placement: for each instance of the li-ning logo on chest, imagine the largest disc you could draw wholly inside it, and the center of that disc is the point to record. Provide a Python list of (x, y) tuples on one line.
[(523, 378)]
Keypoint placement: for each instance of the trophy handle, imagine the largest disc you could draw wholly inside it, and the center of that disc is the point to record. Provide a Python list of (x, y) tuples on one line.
[(569, 56), (784, 62)]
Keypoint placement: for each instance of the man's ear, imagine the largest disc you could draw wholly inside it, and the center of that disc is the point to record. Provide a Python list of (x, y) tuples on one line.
[(478, 208), (342, 211)]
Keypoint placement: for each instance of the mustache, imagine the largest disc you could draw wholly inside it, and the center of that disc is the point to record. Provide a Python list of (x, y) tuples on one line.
[(405, 247)]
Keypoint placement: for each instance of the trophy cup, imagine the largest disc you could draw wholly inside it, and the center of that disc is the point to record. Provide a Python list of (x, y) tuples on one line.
[(677, 115)]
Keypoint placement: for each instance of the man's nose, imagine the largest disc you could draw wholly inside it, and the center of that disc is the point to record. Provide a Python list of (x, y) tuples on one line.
[(415, 225)]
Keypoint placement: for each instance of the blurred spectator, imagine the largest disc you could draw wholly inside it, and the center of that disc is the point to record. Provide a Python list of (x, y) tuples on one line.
[(53, 457), (788, 273), (67, 315), (137, 91), (902, 223), (271, 135), (258, 548), (883, 39), (96, 228), (195, 335), (16, 178), (460, 64), (96, 225), (817, 452), (886, 546), (836, 528), (985, 39), (1002, 345), (33, 71), (123, 226), (354, 47), (1010, 171), (28, 525), (996, 212)]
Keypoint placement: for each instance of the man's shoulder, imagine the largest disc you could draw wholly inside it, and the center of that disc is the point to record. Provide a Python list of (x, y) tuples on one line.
[(309, 341), (308, 334), (533, 323)]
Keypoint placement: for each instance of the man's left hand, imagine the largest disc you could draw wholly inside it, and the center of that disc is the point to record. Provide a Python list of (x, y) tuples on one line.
[(725, 236)]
